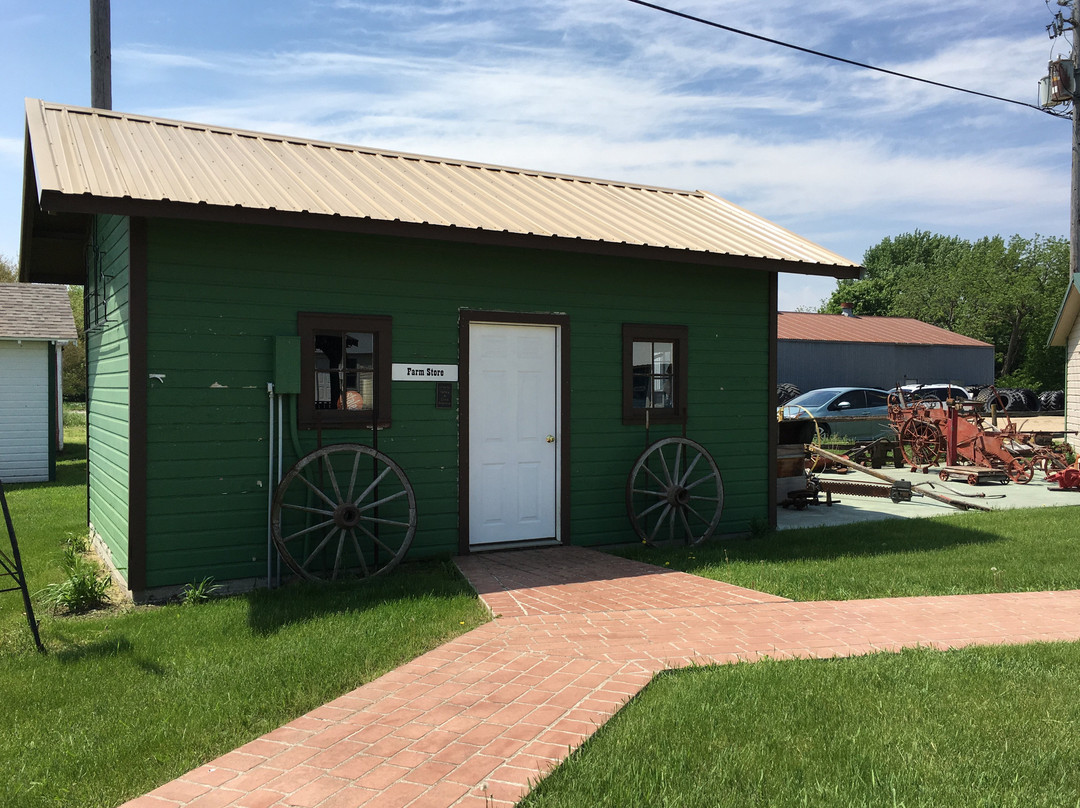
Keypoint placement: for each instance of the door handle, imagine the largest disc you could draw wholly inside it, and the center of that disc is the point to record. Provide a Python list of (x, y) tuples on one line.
[(550, 438)]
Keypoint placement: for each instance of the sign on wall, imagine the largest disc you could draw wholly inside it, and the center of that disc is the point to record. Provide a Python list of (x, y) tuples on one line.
[(418, 372)]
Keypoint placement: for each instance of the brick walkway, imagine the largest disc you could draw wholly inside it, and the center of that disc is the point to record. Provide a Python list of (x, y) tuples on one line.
[(473, 723)]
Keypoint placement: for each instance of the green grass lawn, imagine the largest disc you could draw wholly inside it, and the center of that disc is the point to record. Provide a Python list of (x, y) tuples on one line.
[(996, 726), (131, 698), (963, 553), (128, 699)]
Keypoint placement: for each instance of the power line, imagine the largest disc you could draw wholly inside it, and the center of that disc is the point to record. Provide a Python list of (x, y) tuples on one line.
[(841, 59)]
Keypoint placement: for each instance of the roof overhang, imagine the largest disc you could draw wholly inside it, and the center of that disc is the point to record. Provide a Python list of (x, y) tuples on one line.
[(1067, 314), (75, 172)]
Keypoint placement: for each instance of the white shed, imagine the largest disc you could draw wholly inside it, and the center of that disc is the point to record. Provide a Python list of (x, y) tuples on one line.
[(35, 322), (1066, 333)]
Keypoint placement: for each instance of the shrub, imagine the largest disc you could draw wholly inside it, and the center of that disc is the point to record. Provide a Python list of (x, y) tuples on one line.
[(196, 593), (85, 587)]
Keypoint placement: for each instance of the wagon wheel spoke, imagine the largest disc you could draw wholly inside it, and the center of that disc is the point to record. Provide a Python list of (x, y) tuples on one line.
[(305, 509), (307, 530), (316, 490), (372, 486), (382, 501), (689, 471), (325, 530), (359, 552), (333, 479), (661, 504), (649, 473), (375, 539), (664, 465), (319, 547), (685, 490)]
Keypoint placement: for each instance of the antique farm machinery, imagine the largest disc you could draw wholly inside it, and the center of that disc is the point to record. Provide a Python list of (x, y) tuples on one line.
[(958, 432)]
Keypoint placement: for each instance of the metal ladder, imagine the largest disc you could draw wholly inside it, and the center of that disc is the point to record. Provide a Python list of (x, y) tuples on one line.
[(12, 568)]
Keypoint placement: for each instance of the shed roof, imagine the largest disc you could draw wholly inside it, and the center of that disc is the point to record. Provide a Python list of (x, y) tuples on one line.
[(36, 311), (85, 161), (889, 330), (1067, 314)]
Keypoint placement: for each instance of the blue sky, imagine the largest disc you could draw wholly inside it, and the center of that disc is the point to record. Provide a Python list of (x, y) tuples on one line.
[(605, 88)]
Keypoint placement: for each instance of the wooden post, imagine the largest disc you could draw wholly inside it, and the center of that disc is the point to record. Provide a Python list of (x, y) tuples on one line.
[(100, 55)]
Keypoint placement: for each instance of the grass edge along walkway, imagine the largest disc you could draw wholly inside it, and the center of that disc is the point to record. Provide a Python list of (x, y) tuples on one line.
[(478, 721)]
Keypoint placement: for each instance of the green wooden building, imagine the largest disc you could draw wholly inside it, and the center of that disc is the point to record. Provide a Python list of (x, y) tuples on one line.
[(518, 337)]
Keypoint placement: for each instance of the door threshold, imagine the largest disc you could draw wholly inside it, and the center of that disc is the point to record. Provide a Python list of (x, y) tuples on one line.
[(524, 544)]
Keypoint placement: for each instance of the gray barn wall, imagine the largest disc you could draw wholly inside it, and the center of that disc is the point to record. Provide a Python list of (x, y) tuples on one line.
[(810, 365)]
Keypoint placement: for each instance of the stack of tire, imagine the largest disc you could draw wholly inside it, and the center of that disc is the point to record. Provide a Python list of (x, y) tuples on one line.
[(785, 391), (1052, 400), (1019, 399)]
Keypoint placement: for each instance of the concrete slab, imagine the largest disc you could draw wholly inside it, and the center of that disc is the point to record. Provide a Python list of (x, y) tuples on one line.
[(847, 509)]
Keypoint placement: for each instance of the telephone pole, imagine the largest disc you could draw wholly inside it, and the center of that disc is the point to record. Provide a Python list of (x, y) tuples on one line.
[(100, 55), (1074, 205)]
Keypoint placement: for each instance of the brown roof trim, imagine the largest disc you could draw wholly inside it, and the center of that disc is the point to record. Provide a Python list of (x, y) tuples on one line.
[(88, 204)]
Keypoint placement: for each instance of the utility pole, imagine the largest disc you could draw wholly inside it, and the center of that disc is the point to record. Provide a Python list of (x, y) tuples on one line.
[(1074, 206), (100, 55)]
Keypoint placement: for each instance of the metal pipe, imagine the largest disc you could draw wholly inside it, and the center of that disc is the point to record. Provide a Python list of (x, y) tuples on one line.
[(280, 453), (270, 487)]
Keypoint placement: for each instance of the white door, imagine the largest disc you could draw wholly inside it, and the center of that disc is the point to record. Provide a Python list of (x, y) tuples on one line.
[(513, 437)]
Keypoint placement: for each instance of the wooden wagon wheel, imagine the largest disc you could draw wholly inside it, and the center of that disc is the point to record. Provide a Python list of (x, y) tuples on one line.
[(674, 493), (343, 510), (921, 442)]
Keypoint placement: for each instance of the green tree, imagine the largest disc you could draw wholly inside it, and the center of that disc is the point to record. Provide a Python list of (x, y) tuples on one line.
[(8, 272), (74, 362), (1002, 292)]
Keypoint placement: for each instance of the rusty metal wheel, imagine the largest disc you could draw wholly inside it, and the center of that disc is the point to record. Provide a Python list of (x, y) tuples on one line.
[(1020, 470), (343, 510), (674, 493), (921, 442)]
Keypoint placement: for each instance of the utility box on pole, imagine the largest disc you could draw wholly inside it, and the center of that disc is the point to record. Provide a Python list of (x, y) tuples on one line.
[(1059, 86)]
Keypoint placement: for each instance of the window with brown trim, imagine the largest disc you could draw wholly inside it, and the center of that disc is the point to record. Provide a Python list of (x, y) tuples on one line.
[(654, 373), (345, 370)]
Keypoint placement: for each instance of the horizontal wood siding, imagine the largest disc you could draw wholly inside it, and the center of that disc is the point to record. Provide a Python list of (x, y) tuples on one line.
[(108, 353), (24, 411), (1072, 381), (218, 295)]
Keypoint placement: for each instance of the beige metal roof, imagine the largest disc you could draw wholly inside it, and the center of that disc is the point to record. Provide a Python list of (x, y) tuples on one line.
[(36, 311), (803, 326), (91, 160)]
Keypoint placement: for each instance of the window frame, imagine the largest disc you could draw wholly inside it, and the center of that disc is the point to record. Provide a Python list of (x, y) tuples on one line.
[(311, 323), (679, 336)]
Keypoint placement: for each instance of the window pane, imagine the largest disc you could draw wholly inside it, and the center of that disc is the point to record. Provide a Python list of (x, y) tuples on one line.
[(662, 354), (326, 349), (358, 371), (662, 396), (643, 354), (641, 388)]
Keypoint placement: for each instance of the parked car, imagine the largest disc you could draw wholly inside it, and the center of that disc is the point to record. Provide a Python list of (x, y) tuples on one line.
[(829, 403), (938, 391)]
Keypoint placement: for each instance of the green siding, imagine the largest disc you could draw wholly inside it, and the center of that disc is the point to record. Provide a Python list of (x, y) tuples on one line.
[(108, 349), (220, 294)]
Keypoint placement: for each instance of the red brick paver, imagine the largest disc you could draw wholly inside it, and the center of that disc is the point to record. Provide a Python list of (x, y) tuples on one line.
[(478, 720)]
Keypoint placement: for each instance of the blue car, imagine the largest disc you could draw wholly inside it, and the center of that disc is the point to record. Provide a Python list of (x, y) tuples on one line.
[(830, 403)]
